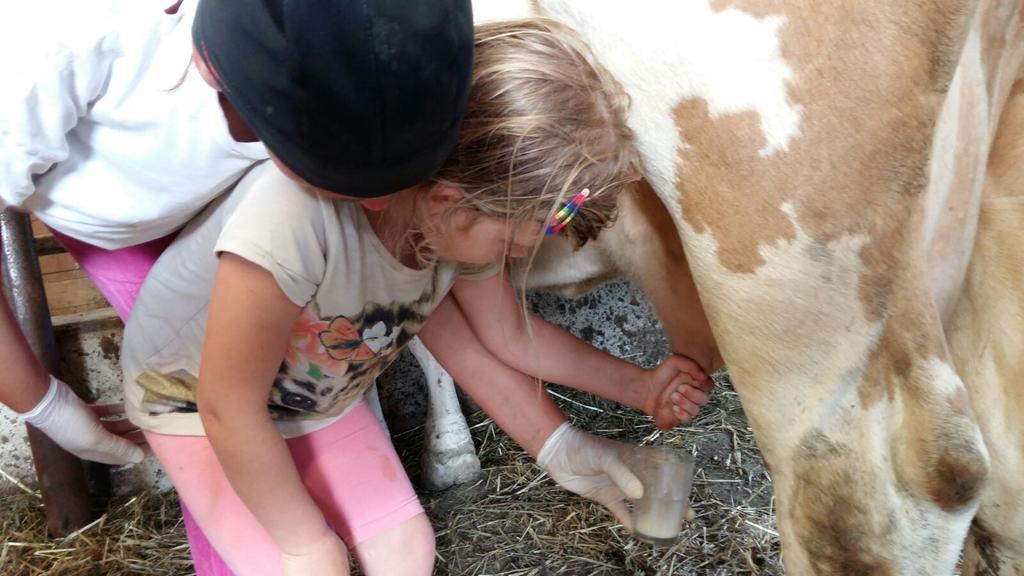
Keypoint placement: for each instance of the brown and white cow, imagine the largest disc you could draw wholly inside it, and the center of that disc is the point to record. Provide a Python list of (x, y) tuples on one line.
[(986, 339), (823, 163)]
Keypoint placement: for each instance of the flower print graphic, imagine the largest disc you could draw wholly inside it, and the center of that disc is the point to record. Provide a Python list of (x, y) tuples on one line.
[(341, 340), (306, 354), (376, 338)]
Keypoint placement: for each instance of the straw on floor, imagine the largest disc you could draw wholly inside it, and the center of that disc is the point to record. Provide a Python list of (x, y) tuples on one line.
[(513, 522)]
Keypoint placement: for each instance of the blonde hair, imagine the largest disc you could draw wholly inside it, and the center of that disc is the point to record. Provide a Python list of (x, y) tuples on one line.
[(544, 121)]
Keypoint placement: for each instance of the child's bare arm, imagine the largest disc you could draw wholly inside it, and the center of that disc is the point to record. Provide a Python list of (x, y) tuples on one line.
[(543, 350), (593, 467), (247, 333), (672, 392), (517, 403)]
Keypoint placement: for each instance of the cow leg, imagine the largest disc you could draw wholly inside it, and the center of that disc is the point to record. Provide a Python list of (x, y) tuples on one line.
[(644, 226), (449, 456), (986, 337), (987, 340), (990, 553)]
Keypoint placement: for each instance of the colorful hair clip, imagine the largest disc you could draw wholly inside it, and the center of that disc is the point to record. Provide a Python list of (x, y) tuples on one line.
[(567, 213)]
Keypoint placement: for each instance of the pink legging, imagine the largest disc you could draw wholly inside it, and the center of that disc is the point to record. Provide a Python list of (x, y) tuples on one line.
[(119, 274), (350, 469)]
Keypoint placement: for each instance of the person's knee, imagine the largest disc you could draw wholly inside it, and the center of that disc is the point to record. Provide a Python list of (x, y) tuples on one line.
[(417, 537), (421, 536), (379, 556)]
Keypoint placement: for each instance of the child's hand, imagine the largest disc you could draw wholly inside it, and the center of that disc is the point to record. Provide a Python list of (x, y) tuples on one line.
[(592, 467), (675, 391), (327, 556)]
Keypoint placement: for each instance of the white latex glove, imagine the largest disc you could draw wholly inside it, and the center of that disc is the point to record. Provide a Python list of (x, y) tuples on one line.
[(70, 423), (324, 557), (593, 467)]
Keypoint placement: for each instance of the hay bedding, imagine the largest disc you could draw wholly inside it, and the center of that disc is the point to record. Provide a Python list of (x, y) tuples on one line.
[(138, 535), (513, 522), (517, 522)]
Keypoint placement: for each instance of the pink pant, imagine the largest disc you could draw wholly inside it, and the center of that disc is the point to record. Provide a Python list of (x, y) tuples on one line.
[(350, 469), (119, 274)]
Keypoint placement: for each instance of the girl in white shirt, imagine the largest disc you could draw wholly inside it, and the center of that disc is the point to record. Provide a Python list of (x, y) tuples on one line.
[(258, 331), (108, 139)]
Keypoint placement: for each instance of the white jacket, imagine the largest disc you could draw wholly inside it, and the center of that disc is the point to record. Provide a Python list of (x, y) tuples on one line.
[(103, 135)]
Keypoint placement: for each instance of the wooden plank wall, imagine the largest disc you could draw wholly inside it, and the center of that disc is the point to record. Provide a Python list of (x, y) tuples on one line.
[(70, 293)]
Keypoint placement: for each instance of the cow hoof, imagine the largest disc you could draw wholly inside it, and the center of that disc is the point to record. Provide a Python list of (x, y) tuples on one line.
[(445, 468)]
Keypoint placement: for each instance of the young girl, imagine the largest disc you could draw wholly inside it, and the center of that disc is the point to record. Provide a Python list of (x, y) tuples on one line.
[(258, 331), (110, 140)]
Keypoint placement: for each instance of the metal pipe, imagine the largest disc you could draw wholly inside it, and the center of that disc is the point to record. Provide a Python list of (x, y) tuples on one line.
[(61, 475)]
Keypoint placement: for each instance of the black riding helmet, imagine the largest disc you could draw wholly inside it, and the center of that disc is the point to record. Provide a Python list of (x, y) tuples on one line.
[(362, 98)]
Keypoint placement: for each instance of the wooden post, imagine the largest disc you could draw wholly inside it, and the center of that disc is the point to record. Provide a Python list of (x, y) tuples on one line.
[(61, 475)]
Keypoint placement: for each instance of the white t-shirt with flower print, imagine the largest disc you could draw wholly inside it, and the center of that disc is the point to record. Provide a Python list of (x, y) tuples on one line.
[(360, 305)]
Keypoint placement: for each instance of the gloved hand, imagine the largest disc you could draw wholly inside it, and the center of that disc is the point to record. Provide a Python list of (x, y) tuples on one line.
[(70, 423), (327, 556), (593, 467)]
